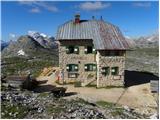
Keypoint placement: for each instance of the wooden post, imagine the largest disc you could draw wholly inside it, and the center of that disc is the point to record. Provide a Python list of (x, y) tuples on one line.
[(97, 60)]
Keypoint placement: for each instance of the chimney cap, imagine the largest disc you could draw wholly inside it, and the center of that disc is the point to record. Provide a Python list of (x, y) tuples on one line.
[(77, 15)]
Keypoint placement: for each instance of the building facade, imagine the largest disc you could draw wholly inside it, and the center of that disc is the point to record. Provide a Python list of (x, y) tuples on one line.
[(91, 52)]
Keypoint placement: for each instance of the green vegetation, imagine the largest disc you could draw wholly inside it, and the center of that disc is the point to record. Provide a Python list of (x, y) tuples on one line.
[(43, 95), (91, 85), (105, 104), (55, 109), (110, 87), (16, 65), (115, 109), (11, 112)]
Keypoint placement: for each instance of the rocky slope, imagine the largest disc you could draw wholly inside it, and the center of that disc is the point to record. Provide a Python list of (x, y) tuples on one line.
[(30, 105), (26, 46), (43, 40)]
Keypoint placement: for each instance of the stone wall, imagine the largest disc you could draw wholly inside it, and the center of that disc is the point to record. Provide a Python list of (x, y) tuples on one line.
[(111, 61), (81, 59), (100, 59)]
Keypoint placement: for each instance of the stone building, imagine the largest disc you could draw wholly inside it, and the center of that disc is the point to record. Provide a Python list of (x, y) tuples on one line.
[(91, 52)]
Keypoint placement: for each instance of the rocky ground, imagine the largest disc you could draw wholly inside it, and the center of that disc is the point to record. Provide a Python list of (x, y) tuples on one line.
[(27, 104), (143, 59)]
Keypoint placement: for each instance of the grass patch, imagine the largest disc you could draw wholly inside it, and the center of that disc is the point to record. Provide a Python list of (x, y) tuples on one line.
[(15, 111), (117, 111), (16, 65), (55, 109), (91, 85), (105, 104), (110, 87), (43, 94)]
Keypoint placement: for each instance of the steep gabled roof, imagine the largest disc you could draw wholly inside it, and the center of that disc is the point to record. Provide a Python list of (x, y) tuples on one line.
[(104, 35)]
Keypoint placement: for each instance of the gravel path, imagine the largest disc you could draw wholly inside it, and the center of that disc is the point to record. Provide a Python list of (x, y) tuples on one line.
[(137, 97)]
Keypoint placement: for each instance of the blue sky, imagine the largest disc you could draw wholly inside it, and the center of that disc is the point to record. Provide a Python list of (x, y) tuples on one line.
[(134, 18)]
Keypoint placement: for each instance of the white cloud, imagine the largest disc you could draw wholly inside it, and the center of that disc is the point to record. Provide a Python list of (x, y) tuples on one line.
[(12, 35), (90, 6), (51, 8), (36, 6), (22, 2), (35, 10), (142, 4)]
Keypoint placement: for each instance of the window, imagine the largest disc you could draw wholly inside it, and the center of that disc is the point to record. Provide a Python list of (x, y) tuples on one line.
[(90, 67), (72, 49), (105, 71), (115, 70), (89, 49), (72, 67)]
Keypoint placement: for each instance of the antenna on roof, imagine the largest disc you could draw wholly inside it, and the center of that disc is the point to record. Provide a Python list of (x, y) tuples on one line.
[(93, 17), (101, 18)]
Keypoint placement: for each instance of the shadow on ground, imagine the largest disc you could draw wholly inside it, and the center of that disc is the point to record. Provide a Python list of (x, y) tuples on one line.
[(44, 88), (42, 82), (136, 78), (70, 94), (57, 91)]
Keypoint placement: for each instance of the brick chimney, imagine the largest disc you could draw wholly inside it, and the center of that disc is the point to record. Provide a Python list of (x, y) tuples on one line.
[(77, 18)]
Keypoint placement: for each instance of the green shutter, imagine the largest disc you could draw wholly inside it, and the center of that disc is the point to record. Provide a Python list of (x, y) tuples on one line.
[(72, 67), (67, 66), (86, 67), (116, 71), (94, 52), (75, 66), (76, 50), (94, 67), (105, 71), (67, 49), (90, 67), (86, 49)]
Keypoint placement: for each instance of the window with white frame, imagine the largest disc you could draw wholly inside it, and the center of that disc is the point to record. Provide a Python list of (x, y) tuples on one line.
[(90, 67), (114, 70), (105, 71), (72, 50), (72, 67), (89, 49)]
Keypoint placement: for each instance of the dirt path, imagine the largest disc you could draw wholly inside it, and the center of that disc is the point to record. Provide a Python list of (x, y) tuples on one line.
[(138, 96)]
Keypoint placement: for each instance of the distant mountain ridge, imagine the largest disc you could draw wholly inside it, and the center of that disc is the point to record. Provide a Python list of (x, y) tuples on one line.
[(4, 44), (43, 40), (27, 46), (143, 41)]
